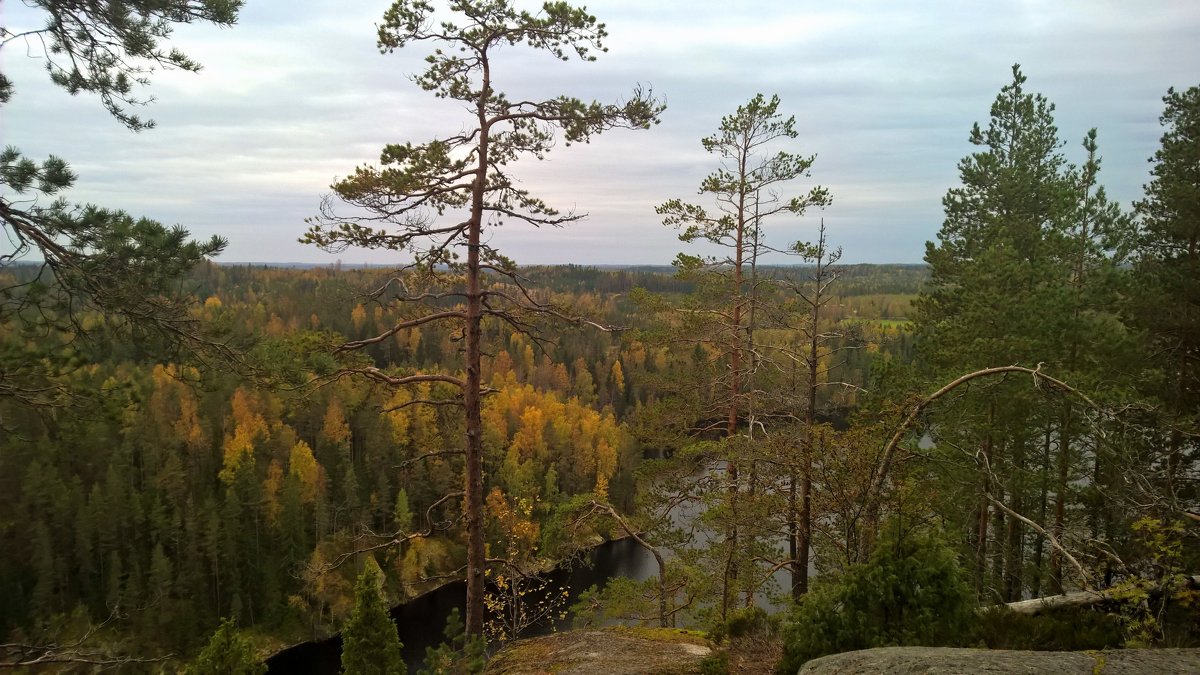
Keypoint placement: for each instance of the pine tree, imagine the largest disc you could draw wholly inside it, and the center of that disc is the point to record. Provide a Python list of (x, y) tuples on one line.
[(1166, 303), (415, 185), (1019, 275), (370, 641), (722, 315), (99, 259)]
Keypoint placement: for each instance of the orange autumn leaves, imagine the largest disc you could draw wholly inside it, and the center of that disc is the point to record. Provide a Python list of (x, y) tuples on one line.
[(542, 443), (537, 444)]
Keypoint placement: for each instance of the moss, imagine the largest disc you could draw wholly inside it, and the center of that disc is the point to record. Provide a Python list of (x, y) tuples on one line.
[(683, 635), (660, 651), (533, 652)]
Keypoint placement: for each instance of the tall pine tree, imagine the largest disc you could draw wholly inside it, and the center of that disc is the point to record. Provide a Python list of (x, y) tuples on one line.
[(438, 202), (1166, 302), (1019, 275)]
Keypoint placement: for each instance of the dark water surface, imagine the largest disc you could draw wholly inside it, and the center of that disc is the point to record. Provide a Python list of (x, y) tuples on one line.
[(421, 620)]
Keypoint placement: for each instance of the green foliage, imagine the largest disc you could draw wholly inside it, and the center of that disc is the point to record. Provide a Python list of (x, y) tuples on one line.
[(622, 599), (459, 654), (370, 642), (1159, 602), (293, 359), (108, 49), (716, 663), (1026, 270), (412, 178), (95, 260), (745, 186), (1055, 630), (743, 622), (1166, 277), (227, 653), (735, 322), (402, 515), (911, 592), (396, 204)]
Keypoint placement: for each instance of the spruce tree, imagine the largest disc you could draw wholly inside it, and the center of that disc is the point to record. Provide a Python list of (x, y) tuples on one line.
[(227, 653), (370, 642)]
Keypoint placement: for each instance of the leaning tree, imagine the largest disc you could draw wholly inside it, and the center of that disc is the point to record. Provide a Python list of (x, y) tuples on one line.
[(437, 202)]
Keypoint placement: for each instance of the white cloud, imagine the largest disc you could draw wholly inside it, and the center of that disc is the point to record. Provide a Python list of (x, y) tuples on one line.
[(883, 92)]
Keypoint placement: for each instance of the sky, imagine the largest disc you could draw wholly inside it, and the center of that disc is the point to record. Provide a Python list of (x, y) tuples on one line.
[(884, 93)]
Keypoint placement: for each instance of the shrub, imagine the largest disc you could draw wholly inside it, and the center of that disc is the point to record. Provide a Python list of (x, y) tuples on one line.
[(459, 654), (743, 622), (1055, 630), (911, 592), (716, 663)]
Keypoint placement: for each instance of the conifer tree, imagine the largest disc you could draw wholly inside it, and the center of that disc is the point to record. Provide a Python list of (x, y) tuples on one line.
[(812, 296), (719, 319), (370, 642), (227, 653), (437, 202), (1167, 282), (1019, 275), (94, 259)]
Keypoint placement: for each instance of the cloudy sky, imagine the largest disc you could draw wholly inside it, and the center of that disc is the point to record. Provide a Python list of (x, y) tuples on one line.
[(884, 93)]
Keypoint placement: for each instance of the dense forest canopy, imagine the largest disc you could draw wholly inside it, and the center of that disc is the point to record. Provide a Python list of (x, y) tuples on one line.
[(202, 463)]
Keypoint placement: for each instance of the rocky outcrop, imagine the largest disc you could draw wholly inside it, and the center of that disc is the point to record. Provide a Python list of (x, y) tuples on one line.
[(618, 651), (945, 661)]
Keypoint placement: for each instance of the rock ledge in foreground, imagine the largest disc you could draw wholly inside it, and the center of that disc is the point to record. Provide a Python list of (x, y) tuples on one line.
[(633, 651), (946, 661)]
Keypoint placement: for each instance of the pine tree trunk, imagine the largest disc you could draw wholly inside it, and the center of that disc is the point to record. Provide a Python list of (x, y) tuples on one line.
[(1035, 586), (731, 422), (1014, 556), (793, 529), (1060, 500), (473, 478), (981, 516), (810, 418)]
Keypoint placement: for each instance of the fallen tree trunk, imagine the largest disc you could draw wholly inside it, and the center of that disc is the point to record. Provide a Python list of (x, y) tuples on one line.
[(1077, 599)]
